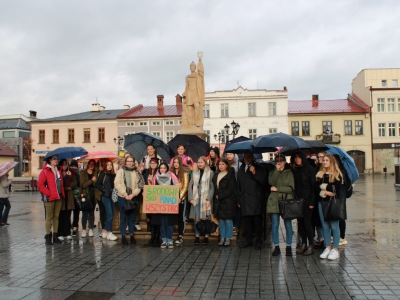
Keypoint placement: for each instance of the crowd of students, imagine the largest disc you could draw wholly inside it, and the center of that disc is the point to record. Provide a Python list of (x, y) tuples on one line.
[(215, 188)]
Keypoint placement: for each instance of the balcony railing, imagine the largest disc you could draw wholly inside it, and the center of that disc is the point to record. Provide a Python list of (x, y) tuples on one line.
[(328, 138)]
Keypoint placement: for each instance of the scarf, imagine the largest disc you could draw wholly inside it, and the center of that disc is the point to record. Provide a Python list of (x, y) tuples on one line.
[(204, 185), (127, 176), (165, 179)]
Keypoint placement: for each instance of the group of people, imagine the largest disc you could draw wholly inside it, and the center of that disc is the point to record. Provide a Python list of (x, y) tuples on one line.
[(221, 189)]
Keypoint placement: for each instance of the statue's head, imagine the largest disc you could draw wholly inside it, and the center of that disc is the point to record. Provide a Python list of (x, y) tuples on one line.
[(192, 67)]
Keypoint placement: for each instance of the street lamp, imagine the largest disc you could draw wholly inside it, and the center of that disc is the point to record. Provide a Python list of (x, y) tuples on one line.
[(235, 129), (218, 138), (118, 141)]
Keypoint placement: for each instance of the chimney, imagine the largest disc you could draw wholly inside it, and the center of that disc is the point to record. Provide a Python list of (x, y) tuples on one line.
[(96, 107), (160, 101), (285, 88), (127, 106), (314, 100), (32, 114), (178, 100), (102, 107)]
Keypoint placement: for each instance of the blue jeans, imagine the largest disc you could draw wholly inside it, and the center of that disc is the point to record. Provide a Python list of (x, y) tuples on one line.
[(166, 230), (275, 220), (124, 217), (4, 204), (225, 228), (328, 228), (109, 208)]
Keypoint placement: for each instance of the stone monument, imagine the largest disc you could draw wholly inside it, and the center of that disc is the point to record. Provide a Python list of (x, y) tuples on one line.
[(193, 100)]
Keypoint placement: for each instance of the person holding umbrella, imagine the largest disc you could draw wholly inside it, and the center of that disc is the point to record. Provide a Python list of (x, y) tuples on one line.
[(187, 160), (151, 153), (200, 195), (213, 158), (233, 160), (51, 185), (4, 201)]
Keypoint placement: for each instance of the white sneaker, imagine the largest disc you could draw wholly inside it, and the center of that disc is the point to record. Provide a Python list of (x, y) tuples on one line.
[(334, 254), (83, 233), (61, 238), (104, 235), (91, 232), (137, 226), (69, 237), (325, 254), (111, 237), (342, 242)]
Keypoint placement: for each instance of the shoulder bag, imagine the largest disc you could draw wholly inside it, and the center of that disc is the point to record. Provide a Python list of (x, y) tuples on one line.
[(334, 208), (293, 208)]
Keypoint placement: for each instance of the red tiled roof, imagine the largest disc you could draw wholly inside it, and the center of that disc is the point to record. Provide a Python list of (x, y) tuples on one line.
[(7, 151), (356, 99), (324, 107), (140, 111)]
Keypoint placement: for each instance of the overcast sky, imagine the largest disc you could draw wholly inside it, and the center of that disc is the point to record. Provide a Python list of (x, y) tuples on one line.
[(57, 57)]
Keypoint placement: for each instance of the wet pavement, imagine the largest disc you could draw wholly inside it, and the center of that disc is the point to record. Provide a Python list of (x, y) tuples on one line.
[(368, 268)]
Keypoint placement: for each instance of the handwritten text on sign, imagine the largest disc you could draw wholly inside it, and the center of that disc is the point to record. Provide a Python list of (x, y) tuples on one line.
[(161, 199)]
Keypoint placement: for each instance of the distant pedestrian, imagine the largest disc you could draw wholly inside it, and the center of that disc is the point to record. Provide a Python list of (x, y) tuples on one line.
[(235, 164), (187, 160), (316, 220), (225, 200), (51, 186), (4, 199), (76, 212), (200, 195)]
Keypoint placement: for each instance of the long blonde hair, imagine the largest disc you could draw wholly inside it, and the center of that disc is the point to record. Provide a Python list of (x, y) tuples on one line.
[(333, 170), (206, 166)]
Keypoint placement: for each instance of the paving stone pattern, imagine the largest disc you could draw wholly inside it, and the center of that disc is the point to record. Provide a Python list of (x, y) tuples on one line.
[(90, 268)]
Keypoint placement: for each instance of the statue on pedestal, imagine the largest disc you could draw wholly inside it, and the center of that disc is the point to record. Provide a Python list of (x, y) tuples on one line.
[(193, 98)]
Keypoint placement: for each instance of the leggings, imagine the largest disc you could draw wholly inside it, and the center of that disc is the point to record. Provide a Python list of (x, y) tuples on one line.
[(64, 223), (305, 227), (342, 227), (182, 217), (102, 214), (52, 213)]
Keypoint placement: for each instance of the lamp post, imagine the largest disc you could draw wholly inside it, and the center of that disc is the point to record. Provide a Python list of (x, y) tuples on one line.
[(235, 129), (118, 141), (218, 138)]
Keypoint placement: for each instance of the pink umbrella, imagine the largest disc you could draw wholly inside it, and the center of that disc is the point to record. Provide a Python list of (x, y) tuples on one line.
[(99, 154), (6, 167)]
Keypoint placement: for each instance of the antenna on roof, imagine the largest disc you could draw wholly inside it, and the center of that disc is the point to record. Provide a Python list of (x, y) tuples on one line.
[(96, 100)]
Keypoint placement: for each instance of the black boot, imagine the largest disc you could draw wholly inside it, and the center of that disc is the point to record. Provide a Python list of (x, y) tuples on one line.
[(153, 235), (55, 238), (48, 239), (277, 251), (133, 240), (124, 241), (289, 251)]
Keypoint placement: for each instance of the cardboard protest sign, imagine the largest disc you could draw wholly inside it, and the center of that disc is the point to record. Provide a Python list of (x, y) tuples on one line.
[(161, 199)]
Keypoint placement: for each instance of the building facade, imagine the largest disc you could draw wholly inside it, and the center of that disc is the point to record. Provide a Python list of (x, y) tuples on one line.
[(258, 112), (93, 130), (379, 89), (343, 123)]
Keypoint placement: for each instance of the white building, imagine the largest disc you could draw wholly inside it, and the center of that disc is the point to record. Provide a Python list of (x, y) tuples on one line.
[(258, 112)]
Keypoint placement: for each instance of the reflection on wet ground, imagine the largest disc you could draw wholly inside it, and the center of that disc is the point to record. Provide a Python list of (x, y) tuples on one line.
[(367, 269)]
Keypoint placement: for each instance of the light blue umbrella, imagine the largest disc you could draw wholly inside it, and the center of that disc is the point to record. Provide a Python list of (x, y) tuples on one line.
[(347, 161)]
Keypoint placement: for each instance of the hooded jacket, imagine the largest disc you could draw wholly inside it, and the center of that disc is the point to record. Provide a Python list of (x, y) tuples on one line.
[(70, 184), (235, 164), (225, 204), (47, 184), (282, 180), (304, 179)]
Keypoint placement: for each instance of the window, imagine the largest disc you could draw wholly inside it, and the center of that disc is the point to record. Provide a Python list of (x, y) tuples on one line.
[(180, 122), (41, 161), (327, 127), (156, 123), (399, 129), (169, 135), (398, 104), (392, 129), (381, 129), (130, 124), (384, 83), (394, 83), (359, 127), (272, 108), (305, 128), (348, 128), (169, 122), (156, 133), (381, 104), (8, 134), (142, 123), (252, 109), (71, 135), (86, 135), (224, 110), (295, 128), (253, 134), (41, 138), (206, 110), (56, 136), (273, 130), (391, 105), (102, 135), (207, 138)]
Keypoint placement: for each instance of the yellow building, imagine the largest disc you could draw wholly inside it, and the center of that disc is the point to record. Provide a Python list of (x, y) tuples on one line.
[(379, 89), (343, 123)]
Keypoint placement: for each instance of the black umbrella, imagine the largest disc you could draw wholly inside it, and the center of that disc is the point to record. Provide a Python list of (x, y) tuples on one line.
[(237, 140), (195, 146), (316, 146), (280, 140), (137, 144)]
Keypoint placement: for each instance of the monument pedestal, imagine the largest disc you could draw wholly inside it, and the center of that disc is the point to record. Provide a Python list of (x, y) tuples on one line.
[(194, 131)]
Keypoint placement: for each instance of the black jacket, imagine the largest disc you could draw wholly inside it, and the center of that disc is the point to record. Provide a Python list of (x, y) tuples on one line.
[(252, 190), (226, 204), (108, 185), (304, 179)]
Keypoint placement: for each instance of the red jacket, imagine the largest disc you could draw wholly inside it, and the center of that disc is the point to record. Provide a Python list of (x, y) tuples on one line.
[(47, 184)]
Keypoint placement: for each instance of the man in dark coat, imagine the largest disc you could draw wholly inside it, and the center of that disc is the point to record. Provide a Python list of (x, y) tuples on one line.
[(252, 179)]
